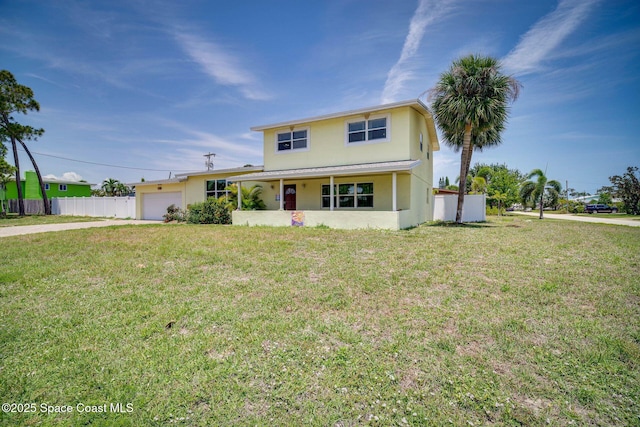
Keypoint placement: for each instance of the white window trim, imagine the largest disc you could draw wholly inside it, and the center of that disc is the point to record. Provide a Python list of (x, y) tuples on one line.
[(292, 150), (355, 200), (47, 186), (366, 120), (62, 187)]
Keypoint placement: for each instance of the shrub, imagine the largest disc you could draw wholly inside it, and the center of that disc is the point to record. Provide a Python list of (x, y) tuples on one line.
[(174, 213), (211, 211)]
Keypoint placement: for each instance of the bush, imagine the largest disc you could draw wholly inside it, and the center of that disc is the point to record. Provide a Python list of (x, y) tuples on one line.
[(174, 213), (211, 211)]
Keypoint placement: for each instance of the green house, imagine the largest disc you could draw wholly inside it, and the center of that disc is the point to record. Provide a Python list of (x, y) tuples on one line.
[(53, 187)]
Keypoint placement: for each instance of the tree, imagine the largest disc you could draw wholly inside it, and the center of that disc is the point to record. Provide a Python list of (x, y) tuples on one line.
[(16, 98), (500, 198), (478, 185), (470, 107), (535, 191), (627, 188), (500, 179), (122, 189), (6, 170), (110, 186), (251, 198)]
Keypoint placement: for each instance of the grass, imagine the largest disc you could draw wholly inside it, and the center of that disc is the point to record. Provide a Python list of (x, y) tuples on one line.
[(612, 215), (511, 322), (13, 220)]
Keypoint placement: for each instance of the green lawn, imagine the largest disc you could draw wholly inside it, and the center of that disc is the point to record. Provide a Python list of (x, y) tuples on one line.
[(514, 322), (13, 220)]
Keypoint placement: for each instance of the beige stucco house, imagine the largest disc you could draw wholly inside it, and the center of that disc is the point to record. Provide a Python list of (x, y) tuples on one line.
[(364, 168), (153, 197)]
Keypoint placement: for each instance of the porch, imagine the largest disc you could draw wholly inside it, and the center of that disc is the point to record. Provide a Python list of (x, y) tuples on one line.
[(341, 219), (374, 195)]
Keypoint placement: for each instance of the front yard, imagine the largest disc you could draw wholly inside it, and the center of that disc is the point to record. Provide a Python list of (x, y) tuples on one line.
[(514, 322)]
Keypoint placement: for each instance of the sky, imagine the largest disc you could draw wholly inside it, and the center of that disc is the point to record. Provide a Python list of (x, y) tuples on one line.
[(144, 89)]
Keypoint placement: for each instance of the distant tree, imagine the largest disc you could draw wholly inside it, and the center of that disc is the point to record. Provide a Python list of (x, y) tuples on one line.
[(500, 198), (122, 189), (500, 179), (16, 98), (535, 191), (470, 107), (6, 170), (110, 186), (478, 185), (626, 188)]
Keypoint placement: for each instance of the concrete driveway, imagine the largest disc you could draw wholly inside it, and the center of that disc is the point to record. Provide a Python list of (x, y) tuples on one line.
[(568, 217), (44, 228)]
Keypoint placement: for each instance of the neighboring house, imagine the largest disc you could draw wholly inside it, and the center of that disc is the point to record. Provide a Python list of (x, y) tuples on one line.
[(53, 187), (365, 168), (154, 197)]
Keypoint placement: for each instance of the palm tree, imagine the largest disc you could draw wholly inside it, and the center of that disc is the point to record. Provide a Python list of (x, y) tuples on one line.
[(500, 197), (535, 191), (16, 98), (110, 186), (122, 189), (251, 198), (470, 107)]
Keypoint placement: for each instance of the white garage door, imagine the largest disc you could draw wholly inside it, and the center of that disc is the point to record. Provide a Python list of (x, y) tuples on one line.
[(155, 205)]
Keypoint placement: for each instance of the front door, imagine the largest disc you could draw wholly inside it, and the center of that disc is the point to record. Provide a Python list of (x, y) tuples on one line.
[(290, 197)]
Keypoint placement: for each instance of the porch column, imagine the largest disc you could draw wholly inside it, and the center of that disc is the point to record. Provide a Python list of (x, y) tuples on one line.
[(394, 191), (281, 194), (331, 200), (239, 195)]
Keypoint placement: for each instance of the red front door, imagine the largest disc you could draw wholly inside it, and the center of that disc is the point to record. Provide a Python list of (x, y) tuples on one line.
[(290, 197)]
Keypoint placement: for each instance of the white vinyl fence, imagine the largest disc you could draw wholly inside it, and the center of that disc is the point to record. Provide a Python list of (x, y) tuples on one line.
[(110, 207), (473, 210)]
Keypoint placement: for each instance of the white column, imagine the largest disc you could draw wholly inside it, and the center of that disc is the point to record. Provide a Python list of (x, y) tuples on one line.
[(331, 198), (281, 194), (394, 192), (239, 195)]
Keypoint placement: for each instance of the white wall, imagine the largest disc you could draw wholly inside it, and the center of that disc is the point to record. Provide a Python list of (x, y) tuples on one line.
[(111, 207), (473, 210)]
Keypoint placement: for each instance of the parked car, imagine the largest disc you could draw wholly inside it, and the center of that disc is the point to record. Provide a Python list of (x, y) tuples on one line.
[(599, 208)]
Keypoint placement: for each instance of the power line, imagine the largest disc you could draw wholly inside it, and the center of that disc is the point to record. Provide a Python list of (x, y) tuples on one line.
[(104, 164)]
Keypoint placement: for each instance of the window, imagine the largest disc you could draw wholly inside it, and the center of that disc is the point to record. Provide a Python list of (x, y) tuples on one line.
[(372, 129), (421, 142), (216, 188), (62, 187), (46, 186), (292, 140), (349, 195)]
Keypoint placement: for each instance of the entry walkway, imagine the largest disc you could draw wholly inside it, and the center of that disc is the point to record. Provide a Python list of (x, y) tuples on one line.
[(44, 228), (613, 221)]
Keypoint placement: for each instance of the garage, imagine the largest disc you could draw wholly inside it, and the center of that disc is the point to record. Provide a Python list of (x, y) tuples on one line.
[(154, 205)]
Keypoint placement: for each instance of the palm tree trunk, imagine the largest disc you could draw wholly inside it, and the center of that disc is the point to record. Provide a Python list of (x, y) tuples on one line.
[(465, 161), (45, 199), (16, 162), (541, 203)]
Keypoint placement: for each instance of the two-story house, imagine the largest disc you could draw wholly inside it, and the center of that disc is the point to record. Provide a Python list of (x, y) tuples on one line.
[(365, 168)]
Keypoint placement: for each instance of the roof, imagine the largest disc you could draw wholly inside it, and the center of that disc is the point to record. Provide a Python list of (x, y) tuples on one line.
[(181, 177), (359, 169), (56, 181), (223, 171)]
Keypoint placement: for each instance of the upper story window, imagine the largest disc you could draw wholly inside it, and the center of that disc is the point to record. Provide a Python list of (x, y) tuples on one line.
[(372, 129), (62, 187), (297, 139)]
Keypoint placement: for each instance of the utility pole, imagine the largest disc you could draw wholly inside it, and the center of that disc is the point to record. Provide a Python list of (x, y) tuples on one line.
[(208, 162), (566, 192)]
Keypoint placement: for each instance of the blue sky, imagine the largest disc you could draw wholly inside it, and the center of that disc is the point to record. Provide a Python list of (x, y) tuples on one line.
[(157, 84)]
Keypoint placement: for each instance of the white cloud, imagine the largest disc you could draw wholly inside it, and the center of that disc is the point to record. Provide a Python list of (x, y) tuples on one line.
[(546, 35), (225, 68), (67, 176), (427, 12)]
